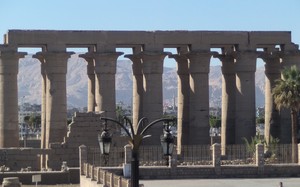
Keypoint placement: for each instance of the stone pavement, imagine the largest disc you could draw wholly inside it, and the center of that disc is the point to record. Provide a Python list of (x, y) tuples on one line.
[(266, 182)]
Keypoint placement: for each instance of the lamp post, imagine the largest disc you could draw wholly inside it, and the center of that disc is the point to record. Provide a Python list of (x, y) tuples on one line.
[(135, 139)]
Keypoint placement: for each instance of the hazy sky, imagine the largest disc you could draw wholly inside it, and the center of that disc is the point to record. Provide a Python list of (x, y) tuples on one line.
[(243, 15)]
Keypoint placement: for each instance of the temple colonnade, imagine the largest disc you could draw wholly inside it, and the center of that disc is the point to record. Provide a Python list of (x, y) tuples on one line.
[(239, 52)]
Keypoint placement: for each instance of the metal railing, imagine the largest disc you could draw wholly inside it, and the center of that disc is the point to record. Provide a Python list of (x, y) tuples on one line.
[(238, 155), (196, 155), (279, 154), (115, 158), (191, 155)]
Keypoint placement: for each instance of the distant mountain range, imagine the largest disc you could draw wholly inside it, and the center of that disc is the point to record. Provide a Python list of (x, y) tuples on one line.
[(29, 83)]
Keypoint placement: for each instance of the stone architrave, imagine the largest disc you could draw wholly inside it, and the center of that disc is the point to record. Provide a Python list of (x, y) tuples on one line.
[(245, 113), (183, 101), (91, 81), (199, 97), (272, 73), (138, 90), (228, 100), (55, 68), (290, 56), (152, 64), (105, 89), (9, 128)]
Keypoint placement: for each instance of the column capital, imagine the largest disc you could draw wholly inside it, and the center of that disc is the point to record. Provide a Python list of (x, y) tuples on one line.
[(224, 57), (90, 63), (49, 55), (269, 56), (106, 62), (227, 63), (245, 60), (110, 56), (152, 55), (12, 54), (152, 62), (53, 62), (9, 61), (182, 64), (245, 53), (199, 61), (87, 56), (272, 62), (290, 57), (290, 53), (178, 57), (136, 63)]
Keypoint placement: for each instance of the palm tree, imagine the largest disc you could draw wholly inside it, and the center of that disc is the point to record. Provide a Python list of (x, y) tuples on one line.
[(286, 94)]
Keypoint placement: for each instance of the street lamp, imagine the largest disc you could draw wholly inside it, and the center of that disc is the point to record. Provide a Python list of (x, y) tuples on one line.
[(167, 141), (135, 139), (104, 140)]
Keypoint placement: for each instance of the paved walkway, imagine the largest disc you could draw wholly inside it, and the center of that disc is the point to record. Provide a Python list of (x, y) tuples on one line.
[(266, 182)]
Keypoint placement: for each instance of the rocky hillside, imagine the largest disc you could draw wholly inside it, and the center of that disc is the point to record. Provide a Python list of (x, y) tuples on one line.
[(29, 82)]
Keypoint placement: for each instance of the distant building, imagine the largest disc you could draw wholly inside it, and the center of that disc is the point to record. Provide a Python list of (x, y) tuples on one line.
[(215, 111), (27, 109)]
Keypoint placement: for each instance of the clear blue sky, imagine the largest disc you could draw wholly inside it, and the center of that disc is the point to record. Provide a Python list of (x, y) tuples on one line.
[(245, 15)]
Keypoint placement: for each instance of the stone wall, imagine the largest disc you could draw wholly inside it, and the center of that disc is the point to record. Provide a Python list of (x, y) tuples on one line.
[(71, 176), (197, 172), (33, 143), (83, 130), (17, 158)]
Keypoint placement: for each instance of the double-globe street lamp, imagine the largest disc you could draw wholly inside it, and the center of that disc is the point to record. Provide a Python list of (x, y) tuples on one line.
[(135, 139)]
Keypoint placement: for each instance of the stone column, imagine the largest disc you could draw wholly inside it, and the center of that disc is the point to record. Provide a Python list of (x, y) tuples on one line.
[(290, 56), (199, 97), (105, 89), (43, 108), (272, 73), (245, 67), (138, 90), (43, 104), (55, 64), (9, 128), (91, 81), (152, 64), (183, 92), (228, 101)]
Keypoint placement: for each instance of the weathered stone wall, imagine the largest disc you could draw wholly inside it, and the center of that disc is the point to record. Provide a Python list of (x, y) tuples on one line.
[(33, 143), (71, 176), (237, 171), (83, 130), (18, 158)]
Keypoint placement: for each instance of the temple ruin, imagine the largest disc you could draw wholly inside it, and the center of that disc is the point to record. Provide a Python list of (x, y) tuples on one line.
[(239, 52)]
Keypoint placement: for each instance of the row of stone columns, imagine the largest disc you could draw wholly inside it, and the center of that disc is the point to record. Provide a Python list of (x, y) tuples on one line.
[(238, 96), (238, 92)]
